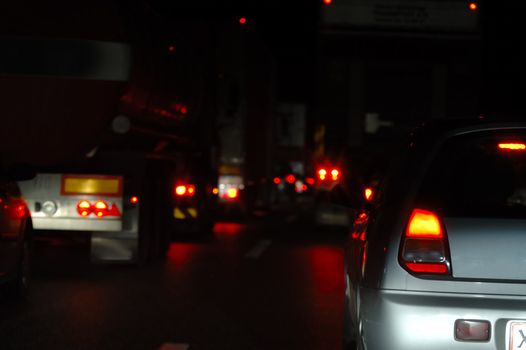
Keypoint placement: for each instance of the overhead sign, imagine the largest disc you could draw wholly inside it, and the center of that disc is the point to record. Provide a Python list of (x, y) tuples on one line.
[(407, 15)]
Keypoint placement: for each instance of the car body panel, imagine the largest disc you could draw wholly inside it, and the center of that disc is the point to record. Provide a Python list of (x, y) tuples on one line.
[(391, 308), (401, 320)]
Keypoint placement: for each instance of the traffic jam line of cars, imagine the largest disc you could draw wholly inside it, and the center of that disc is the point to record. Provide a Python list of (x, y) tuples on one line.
[(436, 259)]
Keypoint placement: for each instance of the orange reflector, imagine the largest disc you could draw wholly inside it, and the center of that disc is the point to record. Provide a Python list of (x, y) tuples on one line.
[(424, 224), (91, 185), (215, 190), (473, 6), (512, 146), (368, 192), (190, 191)]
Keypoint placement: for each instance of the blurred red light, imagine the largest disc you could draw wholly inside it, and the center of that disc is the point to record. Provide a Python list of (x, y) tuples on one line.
[(232, 193), (180, 190), (242, 20), (290, 178), (327, 2), (277, 180), (473, 6), (309, 180), (171, 48)]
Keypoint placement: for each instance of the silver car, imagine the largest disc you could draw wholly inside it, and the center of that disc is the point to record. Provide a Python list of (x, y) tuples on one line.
[(438, 260)]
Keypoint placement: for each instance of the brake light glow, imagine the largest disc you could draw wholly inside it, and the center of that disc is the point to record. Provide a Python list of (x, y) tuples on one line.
[(424, 248), (368, 193), (232, 193), (180, 190), (290, 178), (424, 224), (277, 180), (335, 173), (322, 174), (512, 146), (309, 180)]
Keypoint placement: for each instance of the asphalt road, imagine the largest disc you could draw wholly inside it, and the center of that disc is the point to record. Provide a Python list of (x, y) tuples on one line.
[(269, 283)]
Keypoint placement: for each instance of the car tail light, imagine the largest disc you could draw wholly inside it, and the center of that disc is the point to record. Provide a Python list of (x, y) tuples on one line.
[(335, 173), (424, 247), (322, 174), (290, 178), (512, 146), (232, 193), (368, 193)]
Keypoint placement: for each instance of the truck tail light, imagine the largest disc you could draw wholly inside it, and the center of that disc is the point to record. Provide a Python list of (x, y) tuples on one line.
[(424, 248), (100, 209), (184, 190), (84, 208)]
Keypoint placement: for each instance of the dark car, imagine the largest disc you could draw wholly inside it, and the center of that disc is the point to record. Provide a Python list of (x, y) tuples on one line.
[(437, 260), (15, 238)]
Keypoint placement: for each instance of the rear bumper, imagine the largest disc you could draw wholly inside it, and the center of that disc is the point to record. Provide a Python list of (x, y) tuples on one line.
[(401, 320)]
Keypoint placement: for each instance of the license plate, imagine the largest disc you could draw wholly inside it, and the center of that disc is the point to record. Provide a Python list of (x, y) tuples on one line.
[(517, 335)]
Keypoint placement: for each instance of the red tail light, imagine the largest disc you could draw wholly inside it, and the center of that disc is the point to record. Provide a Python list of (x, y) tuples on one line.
[(100, 208), (424, 247), (322, 174), (290, 178), (84, 208), (184, 190), (335, 173), (232, 193), (512, 146), (368, 193)]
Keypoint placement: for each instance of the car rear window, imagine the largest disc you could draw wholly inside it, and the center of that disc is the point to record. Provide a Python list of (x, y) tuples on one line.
[(481, 174)]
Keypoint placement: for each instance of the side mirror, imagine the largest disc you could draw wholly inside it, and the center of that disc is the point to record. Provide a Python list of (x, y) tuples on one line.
[(21, 172)]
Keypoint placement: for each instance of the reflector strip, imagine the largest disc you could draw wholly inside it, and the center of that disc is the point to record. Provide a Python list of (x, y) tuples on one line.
[(178, 214), (192, 212), (92, 185), (426, 267), (512, 146)]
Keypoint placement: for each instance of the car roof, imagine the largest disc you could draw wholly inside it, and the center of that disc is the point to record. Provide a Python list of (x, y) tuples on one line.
[(430, 131)]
